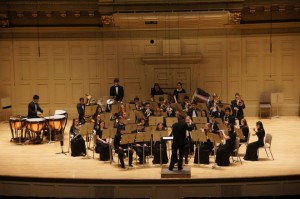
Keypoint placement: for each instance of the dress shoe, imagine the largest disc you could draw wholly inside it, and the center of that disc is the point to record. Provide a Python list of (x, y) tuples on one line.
[(179, 169)]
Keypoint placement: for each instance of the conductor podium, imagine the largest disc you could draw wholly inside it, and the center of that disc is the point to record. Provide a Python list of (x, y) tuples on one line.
[(184, 173)]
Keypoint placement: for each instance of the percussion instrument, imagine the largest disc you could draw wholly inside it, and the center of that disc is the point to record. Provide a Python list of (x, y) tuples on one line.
[(60, 112), (56, 122), (35, 125), (16, 123)]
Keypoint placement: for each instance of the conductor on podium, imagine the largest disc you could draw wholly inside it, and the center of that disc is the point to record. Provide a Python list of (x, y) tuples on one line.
[(179, 141)]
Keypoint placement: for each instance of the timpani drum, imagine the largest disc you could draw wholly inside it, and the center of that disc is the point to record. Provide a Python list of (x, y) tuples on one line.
[(60, 112), (17, 123), (56, 122), (35, 126)]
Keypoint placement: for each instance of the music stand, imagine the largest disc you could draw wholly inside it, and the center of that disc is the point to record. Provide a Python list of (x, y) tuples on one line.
[(108, 134), (140, 137), (240, 133), (86, 130), (139, 115), (200, 120), (199, 136), (128, 138), (216, 139), (277, 98), (89, 110), (157, 135), (154, 120)]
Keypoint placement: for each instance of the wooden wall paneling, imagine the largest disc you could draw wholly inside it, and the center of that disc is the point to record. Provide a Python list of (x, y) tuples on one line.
[(61, 93)]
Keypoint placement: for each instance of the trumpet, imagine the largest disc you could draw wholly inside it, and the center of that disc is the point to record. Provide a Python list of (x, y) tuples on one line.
[(163, 106)]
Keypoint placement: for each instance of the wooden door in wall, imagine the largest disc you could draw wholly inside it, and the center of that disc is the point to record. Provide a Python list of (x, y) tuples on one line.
[(168, 78)]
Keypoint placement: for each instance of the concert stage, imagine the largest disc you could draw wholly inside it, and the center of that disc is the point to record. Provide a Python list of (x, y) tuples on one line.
[(36, 170)]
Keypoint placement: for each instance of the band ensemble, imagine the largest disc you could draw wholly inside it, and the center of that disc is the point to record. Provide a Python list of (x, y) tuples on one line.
[(179, 118)]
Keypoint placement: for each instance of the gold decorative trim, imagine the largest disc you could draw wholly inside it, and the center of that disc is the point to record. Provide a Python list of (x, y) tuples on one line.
[(107, 19)]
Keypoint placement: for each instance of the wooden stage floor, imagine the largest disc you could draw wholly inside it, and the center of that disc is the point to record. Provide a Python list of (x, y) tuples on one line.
[(41, 161)]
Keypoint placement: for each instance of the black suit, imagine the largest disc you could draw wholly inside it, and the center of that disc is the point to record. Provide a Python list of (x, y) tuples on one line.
[(218, 114), (190, 112), (139, 149), (230, 119), (214, 127), (33, 108), (118, 96), (179, 141), (240, 112), (80, 110)]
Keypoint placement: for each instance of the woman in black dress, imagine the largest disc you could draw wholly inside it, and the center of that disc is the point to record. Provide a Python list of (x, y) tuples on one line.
[(98, 112), (156, 90), (102, 145), (251, 152), (225, 150), (205, 147), (156, 159), (178, 89), (245, 130), (77, 142)]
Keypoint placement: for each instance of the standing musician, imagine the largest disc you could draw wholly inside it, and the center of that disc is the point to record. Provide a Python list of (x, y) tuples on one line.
[(178, 89), (156, 149), (122, 149), (156, 90), (237, 105), (140, 146), (34, 107), (117, 91), (77, 141), (179, 140), (102, 145), (228, 117), (80, 110), (212, 105), (189, 146), (193, 111), (186, 105)]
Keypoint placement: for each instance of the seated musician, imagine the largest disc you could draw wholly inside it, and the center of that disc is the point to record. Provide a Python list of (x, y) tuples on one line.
[(122, 149), (214, 125), (98, 112), (225, 150), (245, 130), (228, 118), (156, 90), (203, 113), (80, 110), (77, 141), (189, 144), (102, 145), (34, 107), (122, 110), (138, 104), (205, 147), (186, 105), (170, 111), (237, 106), (162, 104), (193, 111), (212, 104), (140, 146), (147, 112), (157, 147), (219, 113), (117, 91), (178, 89)]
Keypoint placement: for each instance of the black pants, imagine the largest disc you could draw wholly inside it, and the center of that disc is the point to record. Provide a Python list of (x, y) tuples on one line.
[(139, 152), (121, 154), (176, 148)]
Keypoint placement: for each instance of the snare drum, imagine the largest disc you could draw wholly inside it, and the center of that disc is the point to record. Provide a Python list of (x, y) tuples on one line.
[(35, 125), (56, 122)]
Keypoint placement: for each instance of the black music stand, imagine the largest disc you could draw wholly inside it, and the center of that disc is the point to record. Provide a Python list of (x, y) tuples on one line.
[(143, 137), (86, 130), (127, 139), (157, 136), (216, 139), (199, 136), (108, 134)]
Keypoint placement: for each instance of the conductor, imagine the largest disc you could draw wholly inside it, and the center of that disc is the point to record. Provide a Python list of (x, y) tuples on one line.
[(179, 140)]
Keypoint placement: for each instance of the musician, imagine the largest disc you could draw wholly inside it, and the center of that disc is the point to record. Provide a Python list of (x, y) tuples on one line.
[(245, 130), (212, 105), (214, 125), (251, 152), (156, 90), (179, 141), (137, 103), (98, 112), (102, 145), (189, 146), (122, 149), (34, 107), (178, 89), (205, 148), (225, 150), (219, 113), (170, 111), (156, 149), (228, 117), (141, 147), (237, 105), (162, 104), (77, 141), (158, 112), (193, 111), (80, 110), (186, 105), (148, 112), (117, 91)]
